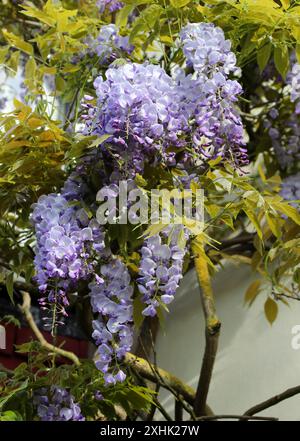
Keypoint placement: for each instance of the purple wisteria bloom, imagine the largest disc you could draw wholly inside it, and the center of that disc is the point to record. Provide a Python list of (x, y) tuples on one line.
[(68, 242), (160, 269), (137, 105), (209, 96), (56, 404), (111, 297), (151, 116), (282, 123), (206, 49)]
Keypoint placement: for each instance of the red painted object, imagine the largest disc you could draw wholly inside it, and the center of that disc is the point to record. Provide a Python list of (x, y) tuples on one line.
[(10, 359)]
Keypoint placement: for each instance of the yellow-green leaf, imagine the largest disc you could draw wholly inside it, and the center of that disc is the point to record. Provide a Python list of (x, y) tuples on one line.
[(140, 181), (154, 229), (252, 292), (30, 69), (18, 42), (288, 210), (253, 219), (138, 307), (122, 16), (285, 3), (13, 62), (263, 55), (179, 3), (271, 310), (282, 60), (3, 53), (273, 224)]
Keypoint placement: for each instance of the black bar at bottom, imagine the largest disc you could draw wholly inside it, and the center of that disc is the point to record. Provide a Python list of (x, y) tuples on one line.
[(97, 430)]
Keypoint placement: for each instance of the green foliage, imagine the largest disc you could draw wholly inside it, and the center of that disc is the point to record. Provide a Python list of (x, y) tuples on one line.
[(83, 382), (32, 149), (11, 319)]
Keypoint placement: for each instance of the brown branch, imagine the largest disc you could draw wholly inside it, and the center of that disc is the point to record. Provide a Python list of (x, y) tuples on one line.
[(147, 337), (178, 411), (211, 347), (212, 329), (235, 417), (25, 308), (273, 400)]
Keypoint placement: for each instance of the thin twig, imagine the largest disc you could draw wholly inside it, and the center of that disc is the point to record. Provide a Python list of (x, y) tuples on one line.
[(25, 308), (150, 416), (273, 400), (235, 417), (162, 410)]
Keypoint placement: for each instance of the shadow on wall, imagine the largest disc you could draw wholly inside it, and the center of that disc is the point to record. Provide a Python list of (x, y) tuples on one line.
[(255, 360)]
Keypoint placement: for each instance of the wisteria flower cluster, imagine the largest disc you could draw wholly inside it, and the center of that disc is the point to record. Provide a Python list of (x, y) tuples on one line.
[(160, 270), (111, 297), (282, 121), (56, 404), (209, 96), (146, 111), (136, 105), (206, 49), (67, 241)]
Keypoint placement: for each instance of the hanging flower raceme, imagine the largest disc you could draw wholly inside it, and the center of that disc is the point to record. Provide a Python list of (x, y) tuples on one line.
[(137, 107), (283, 124), (161, 268), (68, 242), (209, 97), (111, 297), (56, 404)]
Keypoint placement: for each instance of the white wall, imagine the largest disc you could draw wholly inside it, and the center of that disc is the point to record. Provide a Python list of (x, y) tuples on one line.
[(254, 362)]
